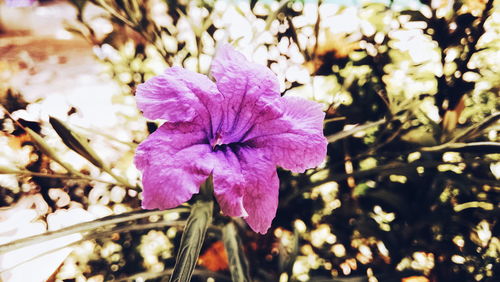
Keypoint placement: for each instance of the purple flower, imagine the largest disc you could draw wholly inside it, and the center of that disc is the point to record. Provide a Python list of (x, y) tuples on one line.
[(238, 129), (20, 3)]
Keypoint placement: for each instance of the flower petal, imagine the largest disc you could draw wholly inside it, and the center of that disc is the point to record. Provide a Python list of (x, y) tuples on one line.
[(229, 183), (295, 141), (179, 95), (261, 189), (248, 89), (175, 160)]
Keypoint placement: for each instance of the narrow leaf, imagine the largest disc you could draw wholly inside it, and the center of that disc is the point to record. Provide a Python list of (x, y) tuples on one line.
[(48, 151), (274, 14), (238, 264), (103, 232), (149, 275), (8, 170), (80, 145), (344, 134), (75, 142), (192, 240), (487, 122), (91, 226)]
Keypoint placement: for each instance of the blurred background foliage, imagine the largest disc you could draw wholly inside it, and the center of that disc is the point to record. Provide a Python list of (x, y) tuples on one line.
[(409, 191)]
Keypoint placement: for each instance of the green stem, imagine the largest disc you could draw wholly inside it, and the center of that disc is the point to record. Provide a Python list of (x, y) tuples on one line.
[(238, 264), (192, 240)]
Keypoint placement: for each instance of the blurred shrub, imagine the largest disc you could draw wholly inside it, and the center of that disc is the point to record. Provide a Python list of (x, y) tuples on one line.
[(410, 186)]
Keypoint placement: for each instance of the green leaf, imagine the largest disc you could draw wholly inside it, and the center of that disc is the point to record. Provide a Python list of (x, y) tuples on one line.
[(48, 151), (361, 190), (421, 135), (152, 276), (8, 170), (78, 4), (192, 240), (95, 226), (80, 145), (478, 127), (76, 142), (274, 14), (106, 227), (238, 264), (415, 16), (344, 134)]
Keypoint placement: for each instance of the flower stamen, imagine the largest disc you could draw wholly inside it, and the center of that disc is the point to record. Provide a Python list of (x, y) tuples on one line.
[(217, 141)]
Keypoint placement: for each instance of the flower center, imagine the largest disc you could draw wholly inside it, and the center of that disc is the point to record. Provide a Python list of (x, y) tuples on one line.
[(218, 143)]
